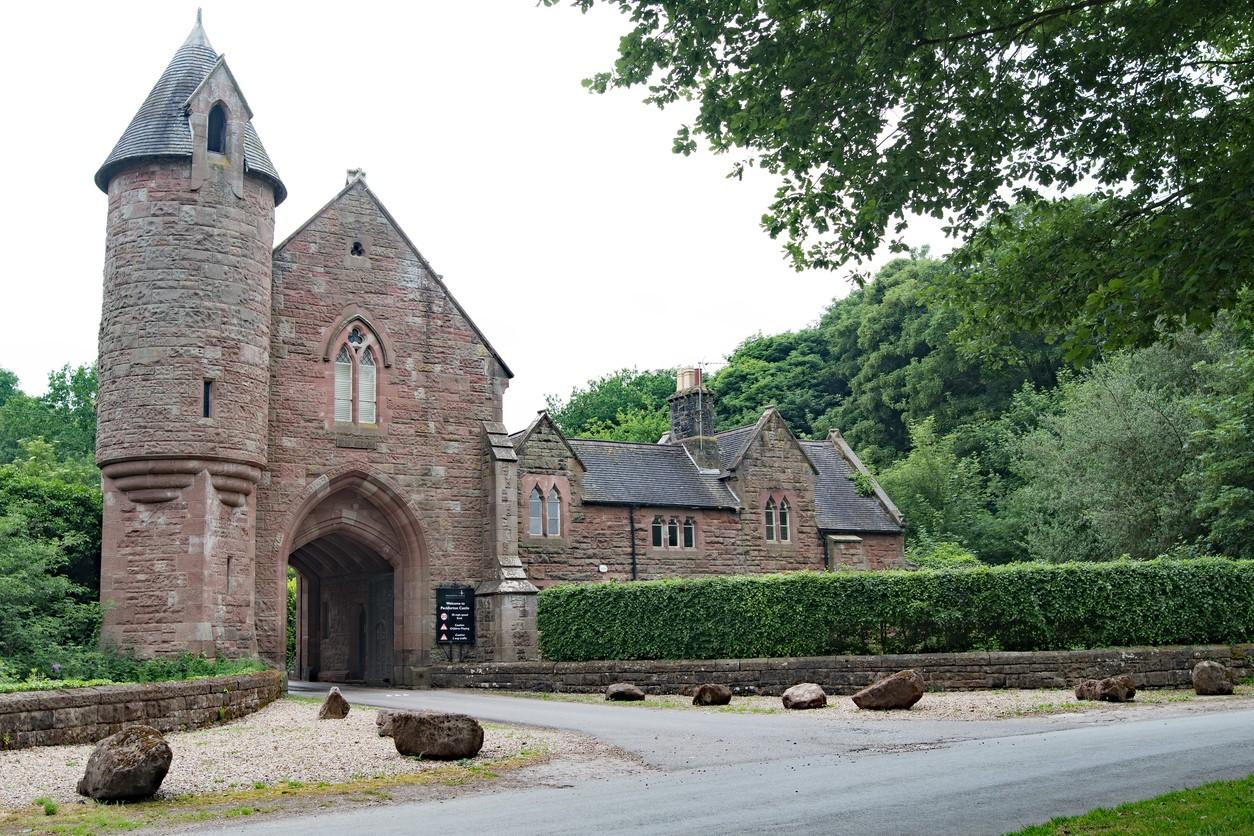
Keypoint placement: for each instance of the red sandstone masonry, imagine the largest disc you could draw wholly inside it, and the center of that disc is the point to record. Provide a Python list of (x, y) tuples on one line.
[(85, 715), (442, 384), (728, 542), (1153, 667)]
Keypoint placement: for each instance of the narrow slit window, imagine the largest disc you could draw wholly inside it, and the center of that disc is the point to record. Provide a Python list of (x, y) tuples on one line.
[(690, 533), (657, 532), (555, 514), (770, 519), (672, 534), (217, 130), (535, 514), (783, 521), (206, 404), (366, 397), (343, 387)]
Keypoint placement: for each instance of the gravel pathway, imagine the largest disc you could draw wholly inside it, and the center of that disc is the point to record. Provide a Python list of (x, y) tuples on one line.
[(945, 705), (284, 742)]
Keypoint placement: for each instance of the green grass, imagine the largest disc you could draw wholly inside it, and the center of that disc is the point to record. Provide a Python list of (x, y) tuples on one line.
[(1218, 809), (95, 818)]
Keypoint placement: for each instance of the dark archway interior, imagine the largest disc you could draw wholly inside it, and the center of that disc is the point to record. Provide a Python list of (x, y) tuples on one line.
[(344, 624)]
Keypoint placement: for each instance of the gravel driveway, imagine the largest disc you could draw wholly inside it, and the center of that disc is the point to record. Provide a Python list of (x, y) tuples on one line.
[(943, 705), (284, 742)]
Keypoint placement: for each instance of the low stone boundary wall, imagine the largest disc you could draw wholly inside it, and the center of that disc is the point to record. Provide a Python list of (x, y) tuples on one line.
[(1152, 667), (85, 715)]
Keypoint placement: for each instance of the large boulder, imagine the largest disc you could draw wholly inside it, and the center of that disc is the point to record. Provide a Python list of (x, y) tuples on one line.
[(901, 690), (1119, 688), (383, 721), (127, 766), (1211, 679), (711, 694), (436, 736), (624, 692), (804, 695), (334, 707)]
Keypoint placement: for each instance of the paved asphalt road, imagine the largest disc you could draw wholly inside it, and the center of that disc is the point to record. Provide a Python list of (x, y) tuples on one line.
[(775, 773)]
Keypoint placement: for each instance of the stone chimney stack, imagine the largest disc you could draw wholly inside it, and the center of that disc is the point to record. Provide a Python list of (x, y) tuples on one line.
[(692, 419)]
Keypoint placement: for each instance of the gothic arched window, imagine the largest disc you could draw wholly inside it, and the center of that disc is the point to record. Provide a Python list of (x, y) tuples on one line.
[(769, 516), (690, 533), (535, 513), (217, 129), (554, 522), (358, 356), (783, 521), (657, 532), (672, 534)]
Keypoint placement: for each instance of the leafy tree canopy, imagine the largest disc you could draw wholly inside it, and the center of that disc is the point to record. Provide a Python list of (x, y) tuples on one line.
[(627, 405), (65, 416), (868, 110)]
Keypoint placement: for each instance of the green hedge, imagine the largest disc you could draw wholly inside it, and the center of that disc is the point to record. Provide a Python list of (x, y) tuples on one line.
[(1014, 607)]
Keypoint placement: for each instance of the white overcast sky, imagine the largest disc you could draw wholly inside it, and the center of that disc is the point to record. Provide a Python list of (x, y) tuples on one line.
[(561, 220)]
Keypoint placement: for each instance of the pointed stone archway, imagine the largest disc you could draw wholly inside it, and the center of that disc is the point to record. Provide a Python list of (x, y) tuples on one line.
[(361, 581)]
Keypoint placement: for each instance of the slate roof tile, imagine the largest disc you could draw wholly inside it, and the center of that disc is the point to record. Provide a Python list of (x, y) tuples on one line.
[(837, 503), (624, 473), (160, 128)]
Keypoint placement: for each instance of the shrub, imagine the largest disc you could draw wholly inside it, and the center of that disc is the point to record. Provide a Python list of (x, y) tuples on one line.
[(84, 666), (942, 556), (1013, 607)]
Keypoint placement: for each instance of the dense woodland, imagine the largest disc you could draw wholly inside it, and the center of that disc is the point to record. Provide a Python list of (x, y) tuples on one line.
[(1013, 453)]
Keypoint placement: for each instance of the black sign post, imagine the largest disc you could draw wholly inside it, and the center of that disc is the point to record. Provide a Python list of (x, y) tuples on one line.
[(454, 617)]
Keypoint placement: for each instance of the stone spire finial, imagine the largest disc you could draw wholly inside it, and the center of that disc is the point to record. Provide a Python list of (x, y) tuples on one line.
[(197, 36), (355, 174)]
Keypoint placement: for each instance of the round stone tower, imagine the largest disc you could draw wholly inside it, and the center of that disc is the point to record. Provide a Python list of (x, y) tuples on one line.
[(184, 362)]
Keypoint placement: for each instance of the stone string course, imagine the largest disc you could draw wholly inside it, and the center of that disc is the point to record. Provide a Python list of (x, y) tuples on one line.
[(1150, 667), (85, 715)]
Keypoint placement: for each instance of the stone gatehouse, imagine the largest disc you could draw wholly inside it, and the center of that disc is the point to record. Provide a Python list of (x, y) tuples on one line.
[(327, 405)]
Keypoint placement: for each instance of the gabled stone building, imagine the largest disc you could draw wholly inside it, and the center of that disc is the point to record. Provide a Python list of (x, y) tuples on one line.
[(328, 405)]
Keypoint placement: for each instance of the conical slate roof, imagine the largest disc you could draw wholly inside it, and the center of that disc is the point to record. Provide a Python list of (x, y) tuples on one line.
[(160, 128)]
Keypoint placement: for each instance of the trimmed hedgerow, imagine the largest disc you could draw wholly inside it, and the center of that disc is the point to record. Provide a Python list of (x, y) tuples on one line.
[(1014, 607)]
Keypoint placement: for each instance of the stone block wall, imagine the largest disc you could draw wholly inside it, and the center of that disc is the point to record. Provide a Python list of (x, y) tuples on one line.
[(1150, 667), (85, 715)]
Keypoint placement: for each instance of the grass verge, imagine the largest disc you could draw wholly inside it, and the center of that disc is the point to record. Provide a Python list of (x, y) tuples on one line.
[(93, 818), (1223, 807)]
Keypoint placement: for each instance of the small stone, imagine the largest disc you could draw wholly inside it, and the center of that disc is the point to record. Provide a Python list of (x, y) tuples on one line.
[(383, 720), (334, 707), (1211, 679), (436, 736), (1119, 688), (624, 692), (901, 690), (711, 694), (804, 695), (127, 766)]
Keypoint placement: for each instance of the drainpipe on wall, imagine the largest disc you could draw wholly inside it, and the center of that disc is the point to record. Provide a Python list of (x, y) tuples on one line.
[(631, 521)]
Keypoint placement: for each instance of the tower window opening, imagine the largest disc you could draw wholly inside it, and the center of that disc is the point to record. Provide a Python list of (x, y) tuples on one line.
[(357, 248), (206, 404), (217, 130)]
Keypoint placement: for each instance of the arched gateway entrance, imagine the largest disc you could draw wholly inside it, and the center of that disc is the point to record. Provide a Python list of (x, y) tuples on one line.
[(360, 569)]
